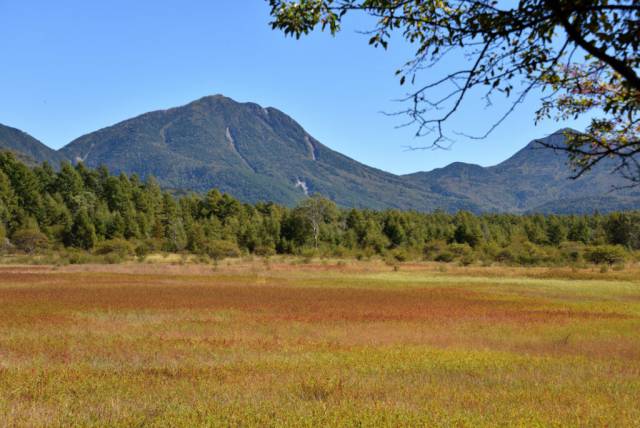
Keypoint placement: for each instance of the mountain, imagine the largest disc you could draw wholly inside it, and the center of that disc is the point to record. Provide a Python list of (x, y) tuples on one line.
[(28, 149), (254, 153), (535, 179), (261, 154)]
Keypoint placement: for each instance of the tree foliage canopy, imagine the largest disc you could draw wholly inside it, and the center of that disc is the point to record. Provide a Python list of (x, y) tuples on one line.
[(582, 54), (78, 209)]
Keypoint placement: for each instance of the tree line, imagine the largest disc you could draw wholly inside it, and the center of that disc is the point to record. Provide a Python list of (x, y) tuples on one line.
[(90, 210)]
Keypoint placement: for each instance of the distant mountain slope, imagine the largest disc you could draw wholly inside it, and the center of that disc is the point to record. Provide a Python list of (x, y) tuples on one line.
[(254, 153), (28, 148), (533, 179), (261, 154)]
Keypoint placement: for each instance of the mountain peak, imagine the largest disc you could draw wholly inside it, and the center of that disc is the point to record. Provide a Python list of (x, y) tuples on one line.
[(252, 152), (555, 138), (212, 98), (262, 154)]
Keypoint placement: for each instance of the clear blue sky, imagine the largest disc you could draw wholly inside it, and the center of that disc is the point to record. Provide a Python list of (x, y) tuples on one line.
[(70, 67)]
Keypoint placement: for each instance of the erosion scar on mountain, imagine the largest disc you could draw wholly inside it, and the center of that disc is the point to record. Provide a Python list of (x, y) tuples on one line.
[(312, 148), (232, 143)]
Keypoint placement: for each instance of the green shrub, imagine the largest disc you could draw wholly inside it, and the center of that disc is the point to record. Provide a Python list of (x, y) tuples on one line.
[(113, 258), (606, 254), (505, 255), (142, 250), (445, 256), (264, 250), (77, 257), (340, 251), (6, 246), (431, 249), (117, 247), (30, 240), (530, 254), (467, 259), (400, 255), (488, 251), (459, 250), (572, 251), (218, 249)]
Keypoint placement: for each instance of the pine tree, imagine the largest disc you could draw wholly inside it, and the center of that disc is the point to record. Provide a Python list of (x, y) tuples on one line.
[(82, 233)]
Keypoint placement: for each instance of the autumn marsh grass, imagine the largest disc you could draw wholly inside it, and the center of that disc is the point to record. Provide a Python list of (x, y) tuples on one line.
[(327, 343)]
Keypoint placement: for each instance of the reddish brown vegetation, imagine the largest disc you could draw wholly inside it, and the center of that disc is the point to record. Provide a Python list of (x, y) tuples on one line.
[(152, 339), (61, 293)]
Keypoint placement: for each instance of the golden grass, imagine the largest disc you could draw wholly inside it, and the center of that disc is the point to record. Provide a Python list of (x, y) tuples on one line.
[(284, 344)]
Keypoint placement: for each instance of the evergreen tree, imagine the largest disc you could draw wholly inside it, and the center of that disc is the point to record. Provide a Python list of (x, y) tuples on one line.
[(82, 233), (81, 207)]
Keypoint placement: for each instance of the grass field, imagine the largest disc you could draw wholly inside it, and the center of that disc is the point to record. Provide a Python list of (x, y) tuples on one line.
[(341, 344)]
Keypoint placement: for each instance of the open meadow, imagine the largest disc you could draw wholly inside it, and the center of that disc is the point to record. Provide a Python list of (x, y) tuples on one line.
[(256, 343)]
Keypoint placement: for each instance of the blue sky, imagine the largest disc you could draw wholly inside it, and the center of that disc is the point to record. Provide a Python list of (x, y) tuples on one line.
[(70, 67)]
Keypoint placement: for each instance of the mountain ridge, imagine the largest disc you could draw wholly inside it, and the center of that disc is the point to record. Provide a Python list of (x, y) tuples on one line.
[(32, 150), (217, 142), (534, 179), (261, 154)]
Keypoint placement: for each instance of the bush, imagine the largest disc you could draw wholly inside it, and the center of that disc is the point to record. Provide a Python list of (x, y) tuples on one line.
[(113, 258), (218, 249), (606, 254), (400, 255), (531, 254), (340, 251), (77, 257), (467, 259), (142, 250), (264, 250), (432, 249), (117, 247), (572, 251), (445, 256), (6, 246), (308, 254), (460, 250), (505, 256), (30, 240)]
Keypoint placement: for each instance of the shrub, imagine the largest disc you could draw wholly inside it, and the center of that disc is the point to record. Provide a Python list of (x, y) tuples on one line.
[(400, 255), (308, 255), (77, 257), (142, 250), (113, 258), (30, 240), (117, 247), (264, 250), (431, 249), (488, 251), (467, 259), (445, 256), (218, 249), (6, 246), (572, 251), (531, 254), (505, 256), (340, 251), (460, 250), (606, 254)]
